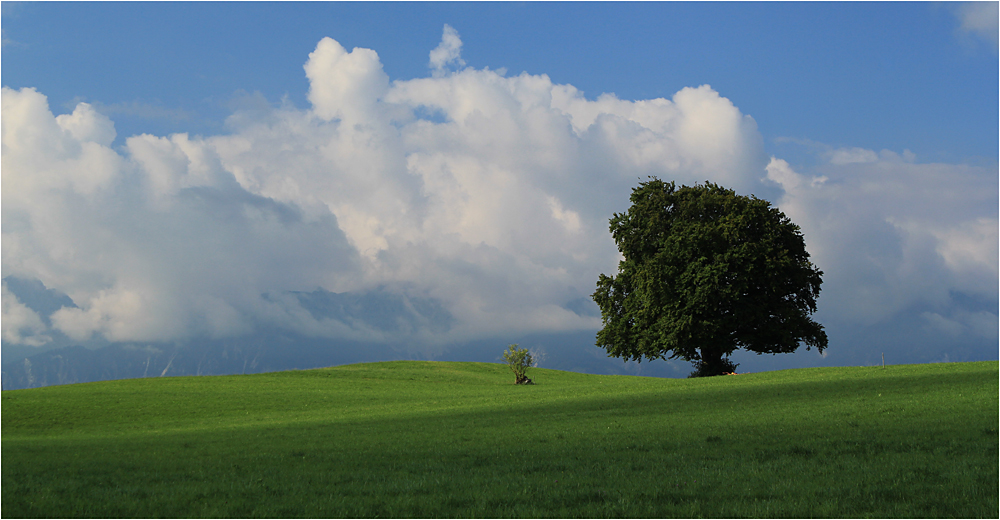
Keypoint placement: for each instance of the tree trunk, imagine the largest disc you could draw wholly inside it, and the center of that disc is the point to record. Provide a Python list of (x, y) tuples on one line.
[(711, 362)]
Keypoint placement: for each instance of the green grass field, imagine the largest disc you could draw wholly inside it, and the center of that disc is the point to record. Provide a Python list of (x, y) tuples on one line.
[(428, 439)]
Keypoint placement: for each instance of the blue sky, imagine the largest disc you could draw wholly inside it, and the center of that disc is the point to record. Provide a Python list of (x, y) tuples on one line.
[(873, 125), (876, 75)]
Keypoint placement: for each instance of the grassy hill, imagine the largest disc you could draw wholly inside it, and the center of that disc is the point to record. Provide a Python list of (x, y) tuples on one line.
[(432, 439)]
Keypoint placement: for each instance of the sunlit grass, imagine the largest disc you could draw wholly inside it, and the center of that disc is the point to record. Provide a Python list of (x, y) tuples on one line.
[(425, 439)]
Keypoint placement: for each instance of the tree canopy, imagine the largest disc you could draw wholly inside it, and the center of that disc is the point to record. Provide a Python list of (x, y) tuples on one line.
[(706, 272)]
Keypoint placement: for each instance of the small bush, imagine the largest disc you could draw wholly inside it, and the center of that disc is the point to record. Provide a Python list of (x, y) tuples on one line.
[(702, 369), (519, 359)]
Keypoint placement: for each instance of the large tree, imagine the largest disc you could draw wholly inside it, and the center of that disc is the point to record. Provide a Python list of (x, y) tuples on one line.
[(706, 272)]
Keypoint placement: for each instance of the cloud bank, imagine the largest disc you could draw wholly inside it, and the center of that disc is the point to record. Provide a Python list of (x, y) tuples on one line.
[(895, 236), (480, 201)]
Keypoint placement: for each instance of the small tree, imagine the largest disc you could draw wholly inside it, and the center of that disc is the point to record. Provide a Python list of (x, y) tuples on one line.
[(706, 272), (519, 359)]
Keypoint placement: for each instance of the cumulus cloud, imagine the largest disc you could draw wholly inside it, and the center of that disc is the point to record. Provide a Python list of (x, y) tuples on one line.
[(496, 209), (345, 85), (474, 203), (447, 52), (157, 243)]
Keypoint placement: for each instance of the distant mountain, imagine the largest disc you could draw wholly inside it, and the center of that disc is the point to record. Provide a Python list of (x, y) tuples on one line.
[(63, 361), (276, 351), (378, 310), (37, 297), (379, 313), (264, 353)]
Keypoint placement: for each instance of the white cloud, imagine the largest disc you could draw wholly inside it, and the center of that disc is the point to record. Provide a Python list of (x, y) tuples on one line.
[(20, 324), (447, 52), (157, 244), (344, 85), (970, 246), (499, 211), (496, 206), (87, 126), (893, 236)]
